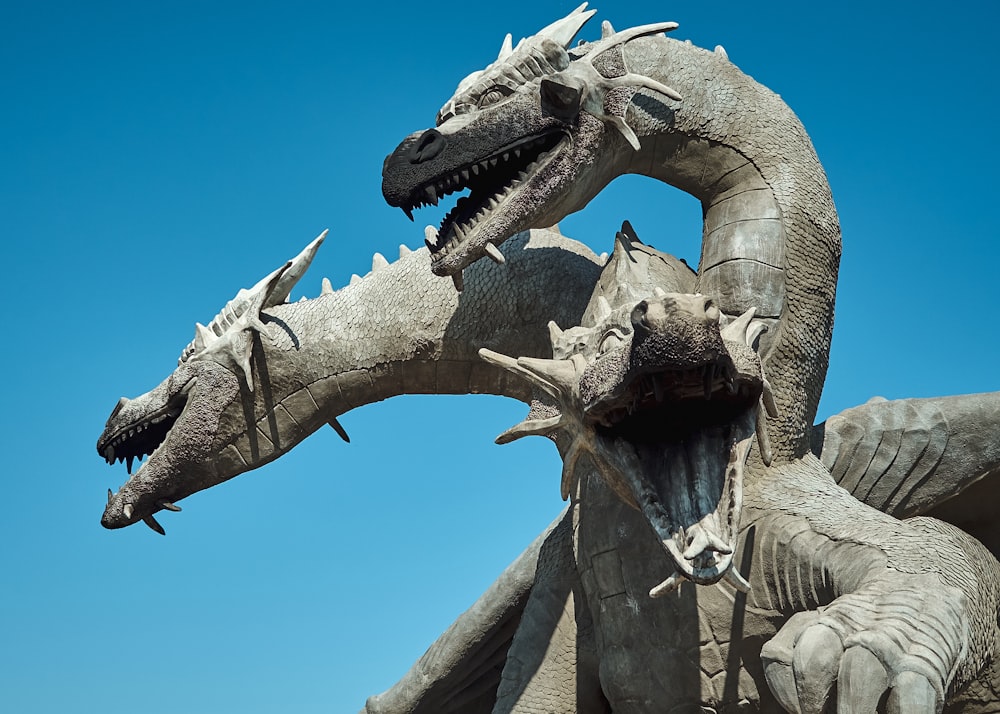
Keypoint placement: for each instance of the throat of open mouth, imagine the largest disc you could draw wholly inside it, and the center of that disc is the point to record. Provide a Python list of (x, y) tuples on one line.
[(690, 490)]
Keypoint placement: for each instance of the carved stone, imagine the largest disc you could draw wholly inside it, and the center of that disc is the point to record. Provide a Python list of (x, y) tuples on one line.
[(719, 552)]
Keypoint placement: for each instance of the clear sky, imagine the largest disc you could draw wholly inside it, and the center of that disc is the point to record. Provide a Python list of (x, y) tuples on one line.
[(156, 157)]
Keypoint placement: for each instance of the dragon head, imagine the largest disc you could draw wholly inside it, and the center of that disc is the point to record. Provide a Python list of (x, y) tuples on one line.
[(665, 401), (189, 423), (529, 136)]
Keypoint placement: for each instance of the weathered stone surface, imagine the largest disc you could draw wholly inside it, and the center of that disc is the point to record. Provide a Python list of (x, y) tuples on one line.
[(709, 560)]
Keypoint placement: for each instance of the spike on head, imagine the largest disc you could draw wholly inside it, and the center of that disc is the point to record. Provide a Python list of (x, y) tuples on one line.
[(563, 31)]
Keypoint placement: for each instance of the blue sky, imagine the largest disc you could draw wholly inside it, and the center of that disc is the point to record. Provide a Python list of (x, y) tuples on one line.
[(154, 158)]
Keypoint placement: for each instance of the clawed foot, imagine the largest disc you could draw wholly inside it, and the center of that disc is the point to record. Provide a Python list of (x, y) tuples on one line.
[(886, 647)]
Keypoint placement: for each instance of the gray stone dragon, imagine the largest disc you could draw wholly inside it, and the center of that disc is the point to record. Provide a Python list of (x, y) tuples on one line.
[(719, 552)]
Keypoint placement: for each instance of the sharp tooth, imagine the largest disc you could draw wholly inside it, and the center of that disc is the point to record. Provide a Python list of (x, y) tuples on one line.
[(465, 174), (431, 195), (128, 462), (517, 153), (110, 495), (493, 161), (151, 522), (430, 238), (667, 586), (708, 378), (408, 211), (475, 169), (495, 254), (131, 433), (506, 156), (459, 282), (169, 506), (493, 203), (459, 233), (109, 454), (127, 510)]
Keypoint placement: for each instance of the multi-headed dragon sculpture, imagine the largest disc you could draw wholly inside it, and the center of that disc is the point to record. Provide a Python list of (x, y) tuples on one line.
[(681, 403)]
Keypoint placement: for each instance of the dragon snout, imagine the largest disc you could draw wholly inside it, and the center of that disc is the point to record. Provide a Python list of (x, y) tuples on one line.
[(427, 146), (658, 315)]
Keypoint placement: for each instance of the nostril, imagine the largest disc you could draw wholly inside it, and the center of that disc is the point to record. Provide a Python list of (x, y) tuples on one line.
[(638, 316), (429, 145)]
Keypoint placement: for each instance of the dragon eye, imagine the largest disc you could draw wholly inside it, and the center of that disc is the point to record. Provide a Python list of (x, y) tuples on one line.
[(494, 95), (612, 339)]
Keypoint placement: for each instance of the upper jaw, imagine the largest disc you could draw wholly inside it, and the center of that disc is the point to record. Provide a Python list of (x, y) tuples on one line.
[(177, 425), (516, 164)]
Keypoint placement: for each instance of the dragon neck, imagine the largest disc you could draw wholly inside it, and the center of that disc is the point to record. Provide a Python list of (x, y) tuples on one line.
[(771, 235), (399, 330)]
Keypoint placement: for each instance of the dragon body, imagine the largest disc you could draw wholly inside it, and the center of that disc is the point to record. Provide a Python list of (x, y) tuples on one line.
[(681, 403)]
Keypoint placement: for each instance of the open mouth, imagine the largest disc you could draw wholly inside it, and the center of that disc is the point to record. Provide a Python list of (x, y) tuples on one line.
[(686, 435), (491, 182), (143, 436)]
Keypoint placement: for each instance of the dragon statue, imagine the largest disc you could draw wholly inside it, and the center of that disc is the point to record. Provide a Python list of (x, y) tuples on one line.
[(719, 552)]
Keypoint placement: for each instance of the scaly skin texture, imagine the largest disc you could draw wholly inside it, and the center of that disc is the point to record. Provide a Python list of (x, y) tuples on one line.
[(850, 608), (401, 330)]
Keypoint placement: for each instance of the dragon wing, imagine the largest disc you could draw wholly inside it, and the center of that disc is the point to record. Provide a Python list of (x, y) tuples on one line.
[(936, 457)]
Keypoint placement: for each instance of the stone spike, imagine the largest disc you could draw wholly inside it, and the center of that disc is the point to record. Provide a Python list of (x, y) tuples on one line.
[(755, 330), (514, 367), (290, 274), (506, 48), (167, 505), (459, 282), (355, 279), (721, 51), (379, 262), (603, 308), (494, 253), (202, 336), (736, 331), (341, 432), (606, 30), (763, 438), (531, 427), (622, 126), (327, 288), (243, 361), (110, 495), (603, 258), (768, 397), (555, 333), (736, 579), (403, 250), (672, 583), (560, 373), (630, 233), (569, 468), (563, 31), (151, 522)]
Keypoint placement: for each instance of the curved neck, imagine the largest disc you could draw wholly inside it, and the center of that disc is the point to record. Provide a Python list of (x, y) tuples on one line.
[(771, 235), (403, 330)]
